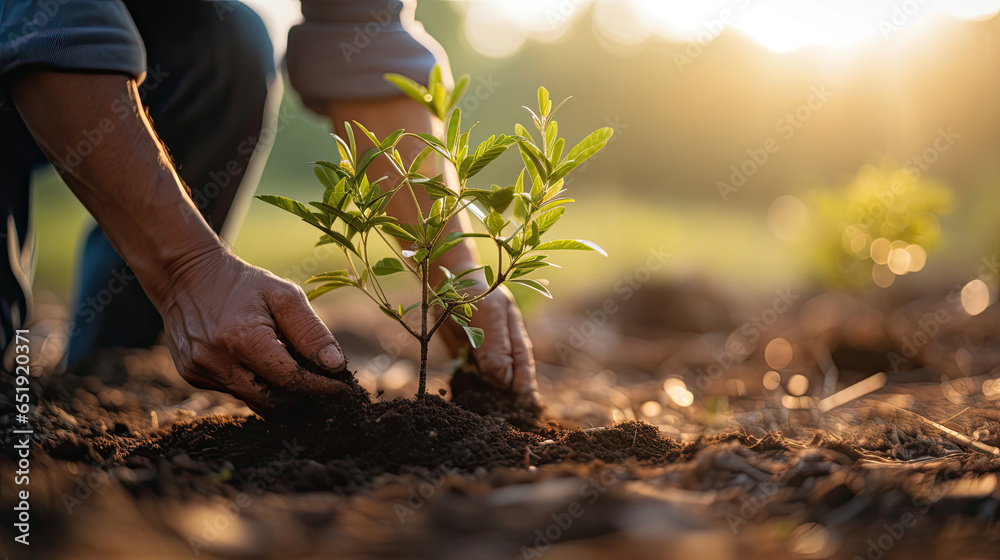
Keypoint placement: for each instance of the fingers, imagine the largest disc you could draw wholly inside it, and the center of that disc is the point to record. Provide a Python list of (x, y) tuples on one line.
[(494, 357), (304, 330), (524, 380), (261, 351), (237, 381)]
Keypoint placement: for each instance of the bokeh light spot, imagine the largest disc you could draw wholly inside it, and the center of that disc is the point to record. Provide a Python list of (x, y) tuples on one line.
[(975, 297), (778, 353), (787, 217), (678, 392), (899, 261), (798, 385), (651, 408), (772, 380), (880, 250), (882, 276), (918, 257)]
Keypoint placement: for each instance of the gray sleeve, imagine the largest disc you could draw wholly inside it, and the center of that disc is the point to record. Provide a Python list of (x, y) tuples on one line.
[(86, 35), (344, 47)]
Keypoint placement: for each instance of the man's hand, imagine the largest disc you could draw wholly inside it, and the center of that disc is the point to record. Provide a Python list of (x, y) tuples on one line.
[(225, 321), (505, 360), (224, 318)]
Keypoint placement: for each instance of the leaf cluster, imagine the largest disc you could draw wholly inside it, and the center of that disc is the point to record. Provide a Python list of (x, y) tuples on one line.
[(516, 217)]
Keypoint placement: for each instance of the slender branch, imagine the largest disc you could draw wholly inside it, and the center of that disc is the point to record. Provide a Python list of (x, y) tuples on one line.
[(451, 306), (424, 336), (375, 283)]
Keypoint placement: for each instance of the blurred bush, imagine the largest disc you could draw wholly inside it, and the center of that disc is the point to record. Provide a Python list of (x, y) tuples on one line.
[(879, 226)]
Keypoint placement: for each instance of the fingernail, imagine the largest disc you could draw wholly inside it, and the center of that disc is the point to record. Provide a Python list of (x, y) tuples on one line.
[(331, 357)]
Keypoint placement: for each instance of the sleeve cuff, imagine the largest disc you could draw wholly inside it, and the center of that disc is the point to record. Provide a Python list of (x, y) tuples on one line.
[(84, 35), (344, 49)]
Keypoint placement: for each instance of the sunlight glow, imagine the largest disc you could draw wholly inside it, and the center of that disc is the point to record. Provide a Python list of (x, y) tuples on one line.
[(778, 25)]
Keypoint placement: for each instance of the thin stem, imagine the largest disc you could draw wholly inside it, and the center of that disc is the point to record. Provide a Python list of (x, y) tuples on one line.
[(379, 291), (424, 335), (447, 310)]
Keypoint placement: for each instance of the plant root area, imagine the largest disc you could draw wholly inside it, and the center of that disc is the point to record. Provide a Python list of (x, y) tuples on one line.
[(668, 433)]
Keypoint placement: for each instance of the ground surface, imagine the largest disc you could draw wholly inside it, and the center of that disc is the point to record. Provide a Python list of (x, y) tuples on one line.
[(665, 436)]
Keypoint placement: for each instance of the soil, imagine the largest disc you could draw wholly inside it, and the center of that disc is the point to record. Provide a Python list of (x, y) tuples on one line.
[(735, 475)]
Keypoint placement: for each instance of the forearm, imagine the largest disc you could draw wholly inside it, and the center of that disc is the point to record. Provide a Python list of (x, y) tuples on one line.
[(126, 179)]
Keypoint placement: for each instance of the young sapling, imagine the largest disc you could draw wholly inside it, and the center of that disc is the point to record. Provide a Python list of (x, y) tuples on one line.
[(517, 217)]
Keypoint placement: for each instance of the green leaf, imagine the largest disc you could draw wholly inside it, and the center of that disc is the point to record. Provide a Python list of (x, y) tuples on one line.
[(501, 198), (554, 203), (526, 267), (557, 150), (537, 191), (570, 245), (375, 141), (488, 272), (410, 308), (494, 223), (583, 151), (410, 88), (534, 285), (316, 292), (419, 160), (388, 266), (432, 142), (352, 221), (378, 220), (435, 187), (350, 138), (397, 232), (487, 152), (532, 237), (366, 159), (476, 336), (325, 176), (440, 95), (544, 103), (546, 220), (453, 126), (332, 276), (338, 238), (520, 207), (443, 248), (469, 271), (434, 78), (391, 139), (389, 312), (533, 160), (291, 206)]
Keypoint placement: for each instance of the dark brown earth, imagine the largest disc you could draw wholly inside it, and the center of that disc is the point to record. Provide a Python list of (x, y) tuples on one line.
[(735, 475)]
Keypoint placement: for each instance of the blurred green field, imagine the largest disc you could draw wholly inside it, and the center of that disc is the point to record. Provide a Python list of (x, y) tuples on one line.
[(678, 133)]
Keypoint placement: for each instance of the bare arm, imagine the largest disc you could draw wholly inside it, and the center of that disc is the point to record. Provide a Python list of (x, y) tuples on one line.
[(223, 317)]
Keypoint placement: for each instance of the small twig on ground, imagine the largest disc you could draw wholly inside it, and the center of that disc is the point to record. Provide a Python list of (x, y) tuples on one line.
[(952, 417), (955, 436)]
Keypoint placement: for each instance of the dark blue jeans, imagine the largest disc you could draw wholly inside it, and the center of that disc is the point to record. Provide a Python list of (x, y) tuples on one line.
[(209, 69)]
